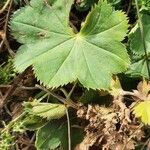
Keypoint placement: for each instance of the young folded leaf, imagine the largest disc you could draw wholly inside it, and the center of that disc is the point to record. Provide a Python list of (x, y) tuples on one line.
[(60, 56), (45, 110)]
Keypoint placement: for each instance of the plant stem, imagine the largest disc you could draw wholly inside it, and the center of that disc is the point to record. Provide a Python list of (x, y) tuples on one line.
[(70, 93), (12, 54), (19, 87), (129, 7), (60, 98), (145, 144), (69, 130), (142, 36)]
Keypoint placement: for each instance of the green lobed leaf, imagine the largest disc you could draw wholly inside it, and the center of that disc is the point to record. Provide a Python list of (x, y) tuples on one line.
[(136, 44), (138, 69), (142, 110), (54, 134), (60, 56), (49, 136), (45, 110)]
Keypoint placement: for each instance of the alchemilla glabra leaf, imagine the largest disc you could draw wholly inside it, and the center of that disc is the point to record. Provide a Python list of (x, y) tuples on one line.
[(139, 69), (60, 56), (136, 44)]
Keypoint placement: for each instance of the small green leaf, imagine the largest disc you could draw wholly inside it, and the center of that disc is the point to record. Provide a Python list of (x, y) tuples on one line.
[(46, 110), (49, 136), (142, 110), (139, 69), (33, 123), (136, 44), (84, 5), (60, 56), (55, 133)]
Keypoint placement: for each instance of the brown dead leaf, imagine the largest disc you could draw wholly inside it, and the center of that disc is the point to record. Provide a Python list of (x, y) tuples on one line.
[(142, 92)]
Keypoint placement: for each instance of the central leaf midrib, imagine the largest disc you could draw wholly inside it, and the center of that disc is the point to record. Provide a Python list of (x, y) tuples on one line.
[(89, 68), (63, 61)]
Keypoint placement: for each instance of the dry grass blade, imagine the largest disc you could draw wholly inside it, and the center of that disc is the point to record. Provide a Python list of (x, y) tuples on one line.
[(5, 6)]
